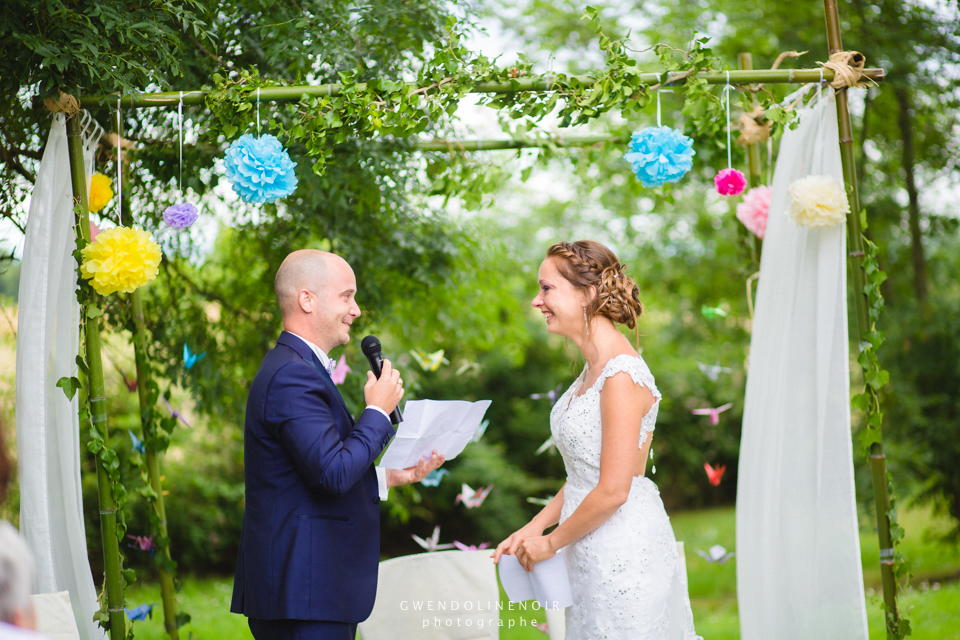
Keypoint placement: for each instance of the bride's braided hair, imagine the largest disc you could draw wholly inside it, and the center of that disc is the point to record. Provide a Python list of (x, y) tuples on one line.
[(588, 263)]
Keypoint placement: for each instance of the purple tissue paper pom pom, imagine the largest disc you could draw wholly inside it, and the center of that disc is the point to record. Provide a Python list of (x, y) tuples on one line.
[(180, 215)]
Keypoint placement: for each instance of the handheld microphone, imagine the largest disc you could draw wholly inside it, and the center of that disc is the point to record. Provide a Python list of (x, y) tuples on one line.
[(371, 348)]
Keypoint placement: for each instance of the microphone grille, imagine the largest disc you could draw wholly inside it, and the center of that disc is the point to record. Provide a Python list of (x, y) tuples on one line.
[(370, 345)]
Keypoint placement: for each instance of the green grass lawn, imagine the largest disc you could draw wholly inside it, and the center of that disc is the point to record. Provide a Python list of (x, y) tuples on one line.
[(932, 603)]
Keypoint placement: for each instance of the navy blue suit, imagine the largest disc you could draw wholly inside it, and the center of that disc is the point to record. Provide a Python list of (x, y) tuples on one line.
[(310, 544)]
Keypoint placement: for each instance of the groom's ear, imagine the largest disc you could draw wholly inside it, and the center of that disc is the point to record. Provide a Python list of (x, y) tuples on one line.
[(305, 301)]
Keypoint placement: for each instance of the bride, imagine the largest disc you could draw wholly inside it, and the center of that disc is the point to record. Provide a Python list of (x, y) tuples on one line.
[(617, 541)]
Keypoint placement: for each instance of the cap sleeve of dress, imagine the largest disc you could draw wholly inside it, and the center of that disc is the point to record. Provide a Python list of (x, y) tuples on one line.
[(641, 375)]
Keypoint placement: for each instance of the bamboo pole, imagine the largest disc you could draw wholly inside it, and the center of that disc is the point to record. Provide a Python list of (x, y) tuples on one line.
[(745, 61), (496, 145), (538, 83), (148, 428), (855, 249), (98, 405)]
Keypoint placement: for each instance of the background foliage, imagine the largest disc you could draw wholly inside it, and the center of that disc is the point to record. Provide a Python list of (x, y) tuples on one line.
[(446, 246)]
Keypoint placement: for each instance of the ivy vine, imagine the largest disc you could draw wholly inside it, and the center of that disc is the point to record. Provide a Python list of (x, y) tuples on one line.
[(875, 378)]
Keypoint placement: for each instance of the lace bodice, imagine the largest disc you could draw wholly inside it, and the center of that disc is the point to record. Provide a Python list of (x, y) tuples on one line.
[(624, 575), (575, 419)]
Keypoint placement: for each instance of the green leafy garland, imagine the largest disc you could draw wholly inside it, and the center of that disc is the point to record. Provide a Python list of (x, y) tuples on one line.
[(394, 111), (875, 378)]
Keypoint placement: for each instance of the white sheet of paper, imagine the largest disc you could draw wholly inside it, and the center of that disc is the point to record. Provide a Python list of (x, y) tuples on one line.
[(548, 583), (444, 425)]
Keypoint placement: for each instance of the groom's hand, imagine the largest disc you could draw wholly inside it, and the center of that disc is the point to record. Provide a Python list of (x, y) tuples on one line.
[(386, 391), (397, 477)]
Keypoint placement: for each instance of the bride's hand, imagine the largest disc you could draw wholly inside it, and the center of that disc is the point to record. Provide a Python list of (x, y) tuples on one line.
[(534, 550), (509, 546)]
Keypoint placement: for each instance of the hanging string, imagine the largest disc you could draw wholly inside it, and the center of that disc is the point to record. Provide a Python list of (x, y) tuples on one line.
[(658, 101), (820, 125), (258, 109), (725, 100), (180, 124), (119, 165), (769, 162)]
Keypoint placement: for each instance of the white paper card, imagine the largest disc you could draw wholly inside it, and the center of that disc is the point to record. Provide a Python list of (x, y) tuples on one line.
[(548, 583), (444, 425)]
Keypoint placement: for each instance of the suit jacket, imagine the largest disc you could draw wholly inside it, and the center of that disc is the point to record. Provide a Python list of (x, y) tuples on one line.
[(310, 545)]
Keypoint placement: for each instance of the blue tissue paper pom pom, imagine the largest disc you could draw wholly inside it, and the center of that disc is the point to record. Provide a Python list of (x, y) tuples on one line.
[(260, 169), (659, 155)]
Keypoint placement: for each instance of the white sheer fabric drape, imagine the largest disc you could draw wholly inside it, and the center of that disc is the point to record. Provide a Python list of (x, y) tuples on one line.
[(48, 435), (798, 550)]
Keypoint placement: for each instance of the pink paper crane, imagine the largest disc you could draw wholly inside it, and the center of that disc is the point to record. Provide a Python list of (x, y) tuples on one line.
[(340, 371), (714, 413), (470, 547), (471, 498), (176, 414), (543, 627), (714, 475), (142, 542)]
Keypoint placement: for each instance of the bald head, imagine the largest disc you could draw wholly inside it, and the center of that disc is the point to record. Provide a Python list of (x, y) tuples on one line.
[(315, 291), (305, 269)]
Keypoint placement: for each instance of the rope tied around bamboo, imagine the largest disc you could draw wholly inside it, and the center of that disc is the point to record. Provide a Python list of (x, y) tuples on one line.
[(66, 103), (847, 67)]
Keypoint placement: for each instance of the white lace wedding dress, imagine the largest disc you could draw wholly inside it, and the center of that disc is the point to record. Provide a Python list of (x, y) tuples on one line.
[(624, 574)]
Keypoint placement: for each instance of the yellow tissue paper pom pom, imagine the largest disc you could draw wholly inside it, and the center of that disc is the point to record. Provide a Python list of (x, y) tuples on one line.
[(101, 192), (120, 259), (817, 201)]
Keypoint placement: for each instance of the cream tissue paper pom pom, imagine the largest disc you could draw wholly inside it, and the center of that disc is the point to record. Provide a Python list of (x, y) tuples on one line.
[(817, 201)]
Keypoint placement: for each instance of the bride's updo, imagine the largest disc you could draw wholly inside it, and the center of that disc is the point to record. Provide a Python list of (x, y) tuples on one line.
[(587, 263)]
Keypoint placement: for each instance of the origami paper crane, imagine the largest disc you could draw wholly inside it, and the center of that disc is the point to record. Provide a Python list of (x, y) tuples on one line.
[(137, 443), (470, 547), (713, 371), (471, 498), (433, 542), (433, 478), (142, 612), (480, 431), (547, 444), (130, 384), (467, 366), (553, 394), (189, 358), (340, 371), (176, 414), (714, 413), (714, 475), (712, 312), (543, 501), (429, 361), (543, 627), (716, 554), (142, 542)]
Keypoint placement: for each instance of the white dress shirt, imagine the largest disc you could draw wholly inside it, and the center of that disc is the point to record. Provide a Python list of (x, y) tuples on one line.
[(325, 361)]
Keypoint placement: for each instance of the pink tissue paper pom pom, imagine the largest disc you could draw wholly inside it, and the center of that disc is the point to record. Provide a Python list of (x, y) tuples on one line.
[(754, 209), (730, 182)]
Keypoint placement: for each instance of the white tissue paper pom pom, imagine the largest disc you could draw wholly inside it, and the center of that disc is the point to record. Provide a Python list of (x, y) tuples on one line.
[(817, 201)]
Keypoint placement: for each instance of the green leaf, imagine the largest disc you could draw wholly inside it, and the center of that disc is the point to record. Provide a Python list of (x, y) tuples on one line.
[(70, 386)]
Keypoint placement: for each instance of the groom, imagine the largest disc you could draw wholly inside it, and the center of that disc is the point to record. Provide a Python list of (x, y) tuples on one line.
[(310, 545)]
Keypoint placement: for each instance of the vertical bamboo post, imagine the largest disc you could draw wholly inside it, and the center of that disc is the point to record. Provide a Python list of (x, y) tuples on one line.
[(855, 248), (98, 404), (745, 61), (148, 428)]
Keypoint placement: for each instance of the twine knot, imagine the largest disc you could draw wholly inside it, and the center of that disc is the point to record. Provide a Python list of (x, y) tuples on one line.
[(753, 128), (65, 104), (847, 67)]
